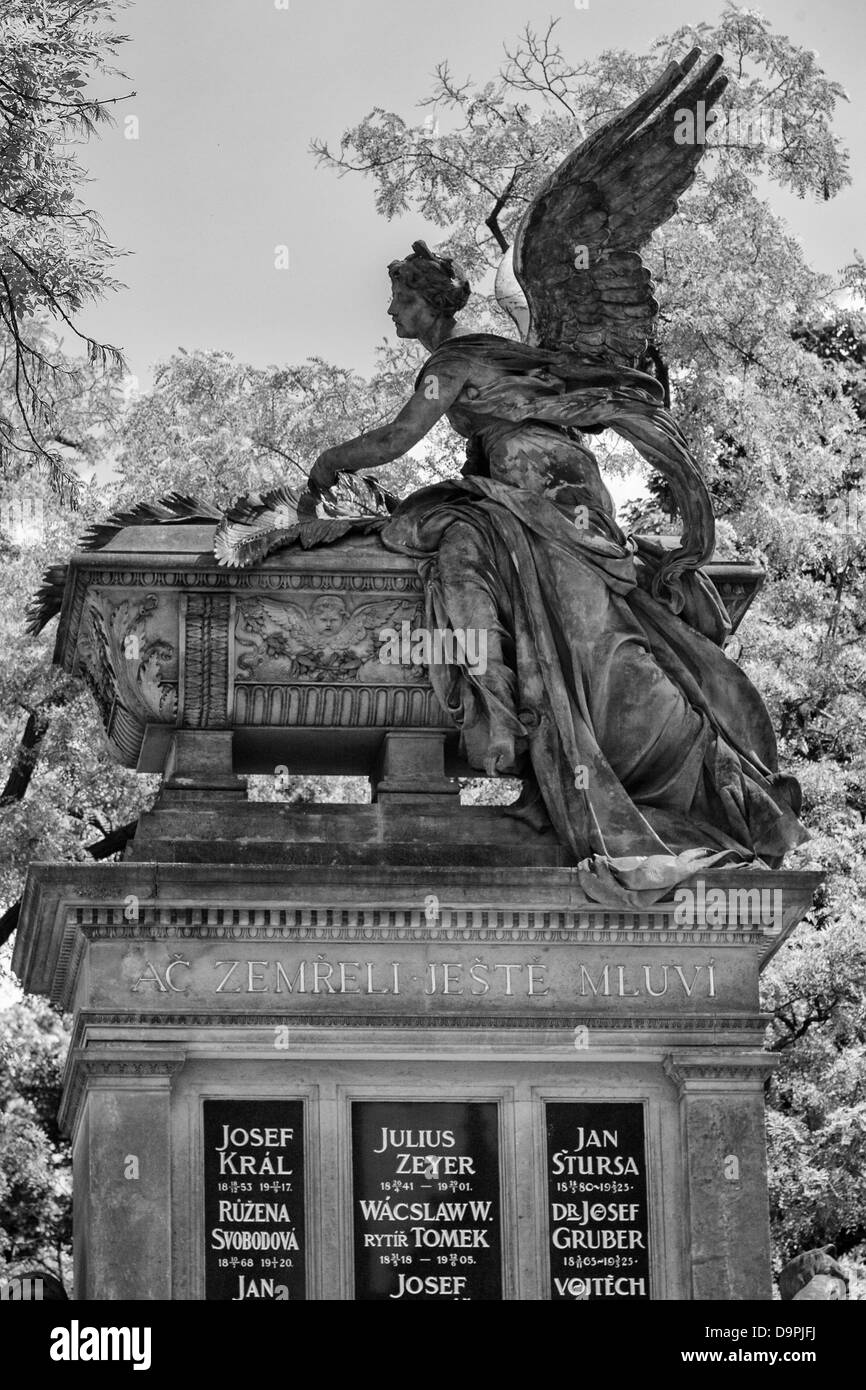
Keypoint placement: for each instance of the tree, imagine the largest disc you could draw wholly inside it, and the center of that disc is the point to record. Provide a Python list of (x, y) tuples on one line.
[(35, 1163), (61, 798), (216, 428), (509, 133), (61, 795), (55, 410), (53, 253), (816, 988)]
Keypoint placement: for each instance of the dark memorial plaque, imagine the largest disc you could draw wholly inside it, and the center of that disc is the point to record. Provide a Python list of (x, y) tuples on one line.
[(596, 1185), (426, 1201), (254, 1200)]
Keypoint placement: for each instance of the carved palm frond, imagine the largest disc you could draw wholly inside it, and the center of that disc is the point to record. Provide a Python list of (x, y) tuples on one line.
[(174, 508), (48, 599), (257, 525)]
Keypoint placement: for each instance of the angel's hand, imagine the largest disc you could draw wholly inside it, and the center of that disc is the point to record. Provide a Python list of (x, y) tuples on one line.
[(323, 473)]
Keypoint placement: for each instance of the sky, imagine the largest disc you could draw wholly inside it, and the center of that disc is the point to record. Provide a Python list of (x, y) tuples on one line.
[(229, 95)]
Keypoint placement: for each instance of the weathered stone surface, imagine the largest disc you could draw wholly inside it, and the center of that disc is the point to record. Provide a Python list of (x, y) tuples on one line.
[(166, 636), (595, 1003), (122, 1167), (432, 830), (721, 1116), (291, 904)]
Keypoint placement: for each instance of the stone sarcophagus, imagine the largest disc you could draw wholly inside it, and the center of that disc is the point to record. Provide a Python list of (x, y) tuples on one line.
[(167, 639), (293, 656)]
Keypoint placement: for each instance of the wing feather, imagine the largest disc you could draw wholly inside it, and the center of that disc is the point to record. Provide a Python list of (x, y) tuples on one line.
[(576, 251)]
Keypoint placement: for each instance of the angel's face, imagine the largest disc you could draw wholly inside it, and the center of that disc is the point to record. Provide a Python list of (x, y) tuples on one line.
[(413, 316), (328, 615)]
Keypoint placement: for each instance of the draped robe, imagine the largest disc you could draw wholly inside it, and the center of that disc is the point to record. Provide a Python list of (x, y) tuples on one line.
[(651, 751)]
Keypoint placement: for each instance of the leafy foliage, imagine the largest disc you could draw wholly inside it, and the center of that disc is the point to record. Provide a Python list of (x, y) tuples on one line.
[(35, 1164), (475, 173), (53, 253)]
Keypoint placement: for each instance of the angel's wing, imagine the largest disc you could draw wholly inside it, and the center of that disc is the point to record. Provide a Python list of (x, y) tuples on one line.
[(293, 623), (284, 622), (575, 253), (370, 618), (268, 629)]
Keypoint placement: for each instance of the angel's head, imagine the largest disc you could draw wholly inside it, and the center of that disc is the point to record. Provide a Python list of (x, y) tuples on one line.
[(427, 291), (328, 613)]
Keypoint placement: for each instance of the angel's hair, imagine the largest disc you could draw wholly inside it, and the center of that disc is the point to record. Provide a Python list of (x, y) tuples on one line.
[(436, 278)]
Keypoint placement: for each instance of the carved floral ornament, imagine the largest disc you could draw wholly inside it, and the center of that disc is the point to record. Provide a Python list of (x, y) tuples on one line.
[(327, 639), (123, 657)]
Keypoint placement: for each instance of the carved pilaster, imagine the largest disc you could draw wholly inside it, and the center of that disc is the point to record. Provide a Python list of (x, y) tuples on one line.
[(119, 1109), (206, 661), (725, 1228)]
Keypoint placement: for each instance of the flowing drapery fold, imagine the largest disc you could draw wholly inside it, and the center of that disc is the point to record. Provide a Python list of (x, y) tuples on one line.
[(653, 754)]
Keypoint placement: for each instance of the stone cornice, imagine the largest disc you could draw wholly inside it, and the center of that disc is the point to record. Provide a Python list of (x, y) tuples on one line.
[(699, 1072), (83, 1070), (597, 1024), (65, 905), (402, 924)]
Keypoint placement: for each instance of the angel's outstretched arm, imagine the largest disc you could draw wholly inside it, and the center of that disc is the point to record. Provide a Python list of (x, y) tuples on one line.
[(436, 392)]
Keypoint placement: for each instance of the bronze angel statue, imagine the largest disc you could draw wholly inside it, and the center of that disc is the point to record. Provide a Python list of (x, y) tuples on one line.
[(606, 686)]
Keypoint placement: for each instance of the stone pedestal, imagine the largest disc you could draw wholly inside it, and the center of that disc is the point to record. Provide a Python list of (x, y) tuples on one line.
[(339, 971)]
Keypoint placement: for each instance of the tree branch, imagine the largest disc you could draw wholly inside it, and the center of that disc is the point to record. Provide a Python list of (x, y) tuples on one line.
[(113, 842), (493, 220), (101, 849), (25, 758)]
